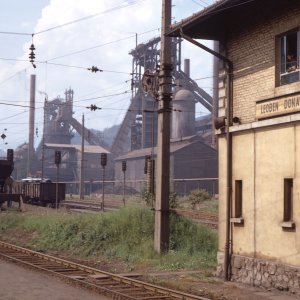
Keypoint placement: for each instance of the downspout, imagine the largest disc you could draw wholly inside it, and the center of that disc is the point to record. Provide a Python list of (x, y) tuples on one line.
[(229, 97)]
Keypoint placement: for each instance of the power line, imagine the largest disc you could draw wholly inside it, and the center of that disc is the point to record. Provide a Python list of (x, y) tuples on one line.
[(102, 45), (3, 103), (7, 79), (14, 33), (63, 65), (123, 5), (91, 48)]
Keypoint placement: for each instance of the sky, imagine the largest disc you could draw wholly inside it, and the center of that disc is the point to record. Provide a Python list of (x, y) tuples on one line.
[(71, 36)]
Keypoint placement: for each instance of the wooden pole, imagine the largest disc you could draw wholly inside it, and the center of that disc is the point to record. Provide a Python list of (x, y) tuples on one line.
[(161, 231)]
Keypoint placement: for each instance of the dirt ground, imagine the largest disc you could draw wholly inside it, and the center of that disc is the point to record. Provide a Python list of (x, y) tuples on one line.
[(30, 284)]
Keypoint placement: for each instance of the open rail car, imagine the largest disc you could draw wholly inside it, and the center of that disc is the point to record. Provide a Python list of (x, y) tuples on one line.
[(41, 192), (33, 191)]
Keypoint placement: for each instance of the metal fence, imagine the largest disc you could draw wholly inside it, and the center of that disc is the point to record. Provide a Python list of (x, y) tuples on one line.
[(135, 187)]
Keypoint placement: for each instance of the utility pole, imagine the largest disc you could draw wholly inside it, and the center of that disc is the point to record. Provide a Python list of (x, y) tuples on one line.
[(161, 231), (81, 186)]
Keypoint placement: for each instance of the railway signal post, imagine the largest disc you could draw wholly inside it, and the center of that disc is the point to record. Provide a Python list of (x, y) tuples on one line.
[(124, 167), (57, 160), (103, 164)]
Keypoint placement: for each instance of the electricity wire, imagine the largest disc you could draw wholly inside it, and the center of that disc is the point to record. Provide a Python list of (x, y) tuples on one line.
[(124, 5)]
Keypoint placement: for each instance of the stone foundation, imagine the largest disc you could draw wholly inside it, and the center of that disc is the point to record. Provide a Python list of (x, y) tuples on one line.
[(262, 273)]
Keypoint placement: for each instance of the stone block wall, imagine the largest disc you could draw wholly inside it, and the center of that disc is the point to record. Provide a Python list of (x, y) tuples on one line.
[(263, 273)]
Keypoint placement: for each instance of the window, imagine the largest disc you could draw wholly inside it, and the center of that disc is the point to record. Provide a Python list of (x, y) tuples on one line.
[(238, 219), (288, 200), (288, 223), (238, 207), (289, 57)]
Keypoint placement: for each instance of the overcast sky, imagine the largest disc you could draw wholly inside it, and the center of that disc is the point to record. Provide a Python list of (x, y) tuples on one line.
[(102, 35)]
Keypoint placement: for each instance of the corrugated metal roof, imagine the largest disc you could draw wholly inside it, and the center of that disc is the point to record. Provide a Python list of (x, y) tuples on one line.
[(87, 148)]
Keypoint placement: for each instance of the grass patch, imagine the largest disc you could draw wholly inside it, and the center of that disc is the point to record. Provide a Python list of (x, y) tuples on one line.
[(126, 234)]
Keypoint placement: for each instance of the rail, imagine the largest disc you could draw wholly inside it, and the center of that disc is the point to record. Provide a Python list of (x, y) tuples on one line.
[(115, 286)]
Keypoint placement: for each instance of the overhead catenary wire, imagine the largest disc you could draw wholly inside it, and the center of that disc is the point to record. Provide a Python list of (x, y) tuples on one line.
[(123, 5)]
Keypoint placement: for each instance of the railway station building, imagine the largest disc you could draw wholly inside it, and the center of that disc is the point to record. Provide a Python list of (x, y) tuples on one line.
[(258, 128)]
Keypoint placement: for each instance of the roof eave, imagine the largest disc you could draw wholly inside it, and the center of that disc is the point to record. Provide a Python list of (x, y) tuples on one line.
[(206, 23)]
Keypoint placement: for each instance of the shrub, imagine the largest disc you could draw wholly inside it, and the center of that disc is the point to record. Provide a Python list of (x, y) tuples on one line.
[(173, 200), (148, 198), (198, 197)]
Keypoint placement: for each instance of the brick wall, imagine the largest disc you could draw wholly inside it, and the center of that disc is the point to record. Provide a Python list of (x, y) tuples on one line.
[(252, 51)]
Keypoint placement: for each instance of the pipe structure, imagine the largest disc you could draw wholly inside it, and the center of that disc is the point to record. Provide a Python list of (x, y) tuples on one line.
[(229, 94), (228, 245)]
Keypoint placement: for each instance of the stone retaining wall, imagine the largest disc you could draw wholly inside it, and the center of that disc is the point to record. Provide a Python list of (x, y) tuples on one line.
[(264, 273)]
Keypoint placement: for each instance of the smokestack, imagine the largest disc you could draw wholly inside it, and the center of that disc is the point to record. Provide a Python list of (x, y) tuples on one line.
[(186, 67), (31, 125)]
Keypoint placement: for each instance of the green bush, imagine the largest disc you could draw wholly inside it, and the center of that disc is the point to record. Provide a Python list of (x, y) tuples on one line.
[(149, 198), (173, 200), (198, 197)]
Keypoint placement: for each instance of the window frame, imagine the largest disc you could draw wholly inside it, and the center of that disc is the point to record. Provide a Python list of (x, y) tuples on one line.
[(278, 58), (288, 189), (238, 204)]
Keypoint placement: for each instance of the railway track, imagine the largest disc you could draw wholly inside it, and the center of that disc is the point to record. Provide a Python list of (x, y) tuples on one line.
[(111, 285), (209, 219)]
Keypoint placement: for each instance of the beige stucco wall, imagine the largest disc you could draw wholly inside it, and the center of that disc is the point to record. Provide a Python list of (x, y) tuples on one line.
[(222, 192), (243, 169), (262, 156), (262, 159)]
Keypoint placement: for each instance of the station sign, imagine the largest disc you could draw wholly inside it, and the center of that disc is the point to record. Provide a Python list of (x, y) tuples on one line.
[(278, 106)]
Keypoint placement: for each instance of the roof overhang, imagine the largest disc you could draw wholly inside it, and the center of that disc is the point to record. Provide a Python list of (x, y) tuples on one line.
[(213, 22)]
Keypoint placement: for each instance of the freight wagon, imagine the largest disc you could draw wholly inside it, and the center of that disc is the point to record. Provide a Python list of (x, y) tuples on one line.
[(38, 192)]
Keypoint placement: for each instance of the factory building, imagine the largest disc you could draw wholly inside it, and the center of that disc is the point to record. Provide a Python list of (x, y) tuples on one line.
[(193, 165), (258, 129), (193, 153), (192, 141)]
